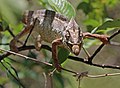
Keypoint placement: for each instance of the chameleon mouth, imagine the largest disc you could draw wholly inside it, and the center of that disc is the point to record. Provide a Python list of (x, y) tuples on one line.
[(76, 49)]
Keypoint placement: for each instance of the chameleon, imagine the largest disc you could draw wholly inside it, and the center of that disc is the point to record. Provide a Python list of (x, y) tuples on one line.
[(56, 29)]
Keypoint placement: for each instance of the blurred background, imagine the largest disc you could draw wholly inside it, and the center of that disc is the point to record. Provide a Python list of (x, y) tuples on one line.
[(17, 72)]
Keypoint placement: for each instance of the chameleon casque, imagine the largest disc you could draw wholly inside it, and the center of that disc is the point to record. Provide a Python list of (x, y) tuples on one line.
[(56, 29)]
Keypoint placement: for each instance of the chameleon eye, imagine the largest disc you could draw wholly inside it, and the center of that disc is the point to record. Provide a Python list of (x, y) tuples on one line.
[(67, 35), (80, 33)]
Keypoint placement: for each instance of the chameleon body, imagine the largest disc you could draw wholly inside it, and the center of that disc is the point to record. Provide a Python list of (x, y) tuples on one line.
[(54, 28)]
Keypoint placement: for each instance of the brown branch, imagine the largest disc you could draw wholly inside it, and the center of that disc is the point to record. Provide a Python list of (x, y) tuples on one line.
[(24, 48), (95, 53), (20, 55), (101, 46), (113, 35), (29, 58), (76, 74), (93, 64), (11, 33), (9, 30), (70, 57)]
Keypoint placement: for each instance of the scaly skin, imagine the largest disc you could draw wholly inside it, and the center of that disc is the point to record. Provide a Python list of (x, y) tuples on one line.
[(56, 29)]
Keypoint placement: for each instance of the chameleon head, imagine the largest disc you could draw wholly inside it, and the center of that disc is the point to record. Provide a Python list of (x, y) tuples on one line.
[(72, 37)]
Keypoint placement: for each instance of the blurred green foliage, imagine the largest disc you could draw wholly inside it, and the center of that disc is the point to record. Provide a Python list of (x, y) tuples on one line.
[(97, 20), (10, 10)]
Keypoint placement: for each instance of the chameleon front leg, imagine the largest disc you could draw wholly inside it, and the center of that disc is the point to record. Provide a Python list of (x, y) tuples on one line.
[(102, 38), (55, 44)]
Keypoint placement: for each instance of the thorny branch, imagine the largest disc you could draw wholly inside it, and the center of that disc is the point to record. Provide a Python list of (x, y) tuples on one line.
[(70, 57)]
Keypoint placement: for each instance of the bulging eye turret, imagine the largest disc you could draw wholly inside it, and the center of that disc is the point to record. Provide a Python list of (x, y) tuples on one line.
[(67, 35)]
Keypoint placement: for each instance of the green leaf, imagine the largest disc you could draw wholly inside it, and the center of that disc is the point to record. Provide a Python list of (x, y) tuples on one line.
[(63, 54), (91, 22), (11, 72), (58, 80), (109, 24), (63, 7)]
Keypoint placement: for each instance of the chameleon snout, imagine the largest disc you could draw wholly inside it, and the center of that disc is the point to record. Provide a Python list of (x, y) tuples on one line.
[(76, 49)]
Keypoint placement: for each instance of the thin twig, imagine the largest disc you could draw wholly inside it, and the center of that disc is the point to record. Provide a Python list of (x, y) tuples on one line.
[(87, 53), (93, 64), (70, 71), (79, 75), (35, 60), (26, 57), (4, 43), (113, 35), (45, 78), (11, 33), (95, 53), (9, 30), (102, 75), (101, 46), (24, 48), (69, 57)]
